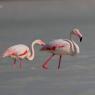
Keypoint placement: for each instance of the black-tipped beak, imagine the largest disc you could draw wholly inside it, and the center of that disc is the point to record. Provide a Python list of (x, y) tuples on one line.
[(80, 39)]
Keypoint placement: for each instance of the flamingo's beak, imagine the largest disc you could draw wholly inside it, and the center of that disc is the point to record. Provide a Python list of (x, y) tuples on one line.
[(80, 36), (80, 39), (43, 43), (43, 48), (78, 33)]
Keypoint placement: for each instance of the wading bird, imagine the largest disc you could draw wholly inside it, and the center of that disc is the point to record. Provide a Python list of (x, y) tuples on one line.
[(21, 51), (62, 47)]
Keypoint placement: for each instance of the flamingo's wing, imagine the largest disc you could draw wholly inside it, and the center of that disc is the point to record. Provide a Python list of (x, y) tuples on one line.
[(55, 44), (48, 47), (19, 49)]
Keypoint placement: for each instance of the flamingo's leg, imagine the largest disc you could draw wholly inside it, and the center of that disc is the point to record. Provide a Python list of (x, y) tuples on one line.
[(59, 61), (14, 61), (45, 65), (21, 63)]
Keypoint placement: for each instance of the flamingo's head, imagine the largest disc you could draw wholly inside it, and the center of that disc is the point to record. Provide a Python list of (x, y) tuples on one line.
[(40, 42), (76, 32)]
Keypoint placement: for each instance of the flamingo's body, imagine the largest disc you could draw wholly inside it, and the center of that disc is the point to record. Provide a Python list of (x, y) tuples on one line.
[(21, 51), (62, 47)]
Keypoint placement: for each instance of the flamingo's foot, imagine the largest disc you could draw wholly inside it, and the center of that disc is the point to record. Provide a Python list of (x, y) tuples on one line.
[(44, 66)]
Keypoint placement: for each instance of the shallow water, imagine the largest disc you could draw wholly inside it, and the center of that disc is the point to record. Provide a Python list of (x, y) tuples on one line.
[(23, 22)]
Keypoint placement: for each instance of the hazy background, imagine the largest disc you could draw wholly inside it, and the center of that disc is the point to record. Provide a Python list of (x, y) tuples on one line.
[(23, 21), (28, 20)]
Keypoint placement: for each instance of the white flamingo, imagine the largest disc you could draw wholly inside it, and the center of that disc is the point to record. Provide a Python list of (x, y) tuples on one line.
[(62, 47), (21, 51)]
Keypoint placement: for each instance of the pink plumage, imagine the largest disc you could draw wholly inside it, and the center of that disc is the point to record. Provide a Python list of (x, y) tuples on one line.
[(62, 47), (21, 51)]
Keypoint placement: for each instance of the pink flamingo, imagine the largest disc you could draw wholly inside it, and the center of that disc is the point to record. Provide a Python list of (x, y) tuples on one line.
[(62, 47), (21, 51)]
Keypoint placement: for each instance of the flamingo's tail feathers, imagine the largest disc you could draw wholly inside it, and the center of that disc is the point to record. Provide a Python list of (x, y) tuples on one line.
[(8, 53), (4, 55)]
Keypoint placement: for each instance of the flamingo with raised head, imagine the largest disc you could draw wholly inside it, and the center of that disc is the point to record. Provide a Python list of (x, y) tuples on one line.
[(21, 51), (62, 47)]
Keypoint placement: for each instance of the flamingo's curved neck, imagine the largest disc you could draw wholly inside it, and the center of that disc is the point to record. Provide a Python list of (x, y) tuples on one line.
[(73, 46), (32, 55)]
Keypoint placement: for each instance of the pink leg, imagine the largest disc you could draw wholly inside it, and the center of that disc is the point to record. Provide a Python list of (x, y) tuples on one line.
[(14, 61), (13, 64), (45, 65), (59, 61), (20, 64)]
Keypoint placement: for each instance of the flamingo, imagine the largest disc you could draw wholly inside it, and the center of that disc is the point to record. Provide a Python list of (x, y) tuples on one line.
[(21, 51), (62, 47)]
